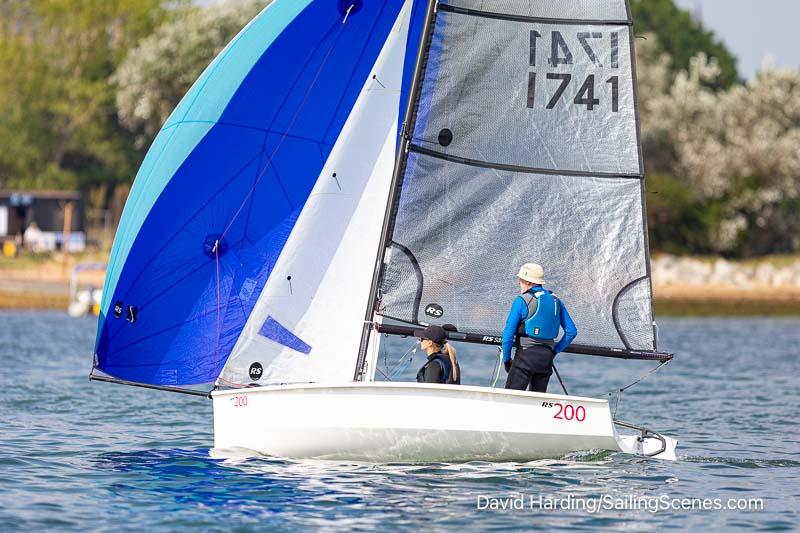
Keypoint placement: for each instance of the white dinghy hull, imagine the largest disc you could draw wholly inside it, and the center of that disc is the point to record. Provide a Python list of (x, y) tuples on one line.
[(411, 422)]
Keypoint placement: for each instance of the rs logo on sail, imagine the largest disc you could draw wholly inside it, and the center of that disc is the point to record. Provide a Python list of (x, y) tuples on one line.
[(434, 310)]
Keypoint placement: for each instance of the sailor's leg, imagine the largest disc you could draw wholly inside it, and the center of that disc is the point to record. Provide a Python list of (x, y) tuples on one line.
[(539, 381), (539, 362), (518, 377)]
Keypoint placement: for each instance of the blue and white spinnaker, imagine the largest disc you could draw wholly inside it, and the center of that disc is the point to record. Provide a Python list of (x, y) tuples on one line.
[(247, 166)]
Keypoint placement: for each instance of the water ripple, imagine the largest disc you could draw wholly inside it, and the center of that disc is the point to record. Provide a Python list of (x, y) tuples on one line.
[(77, 455)]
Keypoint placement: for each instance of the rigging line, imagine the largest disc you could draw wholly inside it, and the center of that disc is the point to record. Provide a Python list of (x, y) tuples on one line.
[(288, 129), (93, 377), (234, 384), (496, 373), (386, 355), (401, 368), (653, 371), (219, 303), (560, 380), (619, 392), (328, 33), (411, 351)]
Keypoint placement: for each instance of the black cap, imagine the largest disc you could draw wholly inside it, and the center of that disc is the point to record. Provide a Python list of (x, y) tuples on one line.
[(433, 333)]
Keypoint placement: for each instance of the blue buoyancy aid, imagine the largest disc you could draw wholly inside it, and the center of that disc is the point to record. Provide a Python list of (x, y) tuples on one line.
[(543, 321)]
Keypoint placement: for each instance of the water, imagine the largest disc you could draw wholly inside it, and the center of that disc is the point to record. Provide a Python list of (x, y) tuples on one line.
[(77, 455)]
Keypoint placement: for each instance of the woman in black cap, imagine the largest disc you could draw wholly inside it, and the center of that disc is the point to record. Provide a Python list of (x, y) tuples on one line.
[(442, 365)]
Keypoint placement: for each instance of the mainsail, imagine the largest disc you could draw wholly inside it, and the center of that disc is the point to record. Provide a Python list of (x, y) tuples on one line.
[(523, 146), (256, 166)]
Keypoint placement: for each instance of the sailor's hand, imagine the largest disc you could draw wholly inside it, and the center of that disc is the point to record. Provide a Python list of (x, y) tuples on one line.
[(507, 364)]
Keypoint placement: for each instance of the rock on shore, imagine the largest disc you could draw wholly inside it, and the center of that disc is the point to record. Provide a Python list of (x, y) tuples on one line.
[(670, 270)]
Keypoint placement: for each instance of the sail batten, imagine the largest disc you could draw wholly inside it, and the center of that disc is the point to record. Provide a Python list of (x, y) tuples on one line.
[(447, 8), (515, 168)]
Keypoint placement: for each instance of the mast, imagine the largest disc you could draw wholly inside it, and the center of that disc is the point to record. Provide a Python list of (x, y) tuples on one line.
[(397, 180)]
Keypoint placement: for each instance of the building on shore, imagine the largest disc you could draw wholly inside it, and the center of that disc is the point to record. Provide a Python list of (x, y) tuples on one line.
[(43, 220)]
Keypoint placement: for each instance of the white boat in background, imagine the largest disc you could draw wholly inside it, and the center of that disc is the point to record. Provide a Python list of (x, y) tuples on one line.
[(84, 297), (286, 213)]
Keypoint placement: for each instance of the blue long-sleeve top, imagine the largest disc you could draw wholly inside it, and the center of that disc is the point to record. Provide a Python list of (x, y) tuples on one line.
[(518, 314)]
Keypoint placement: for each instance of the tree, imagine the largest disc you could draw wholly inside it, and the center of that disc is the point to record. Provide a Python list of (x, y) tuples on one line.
[(57, 111), (683, 38), (157, 74), (734, 153)]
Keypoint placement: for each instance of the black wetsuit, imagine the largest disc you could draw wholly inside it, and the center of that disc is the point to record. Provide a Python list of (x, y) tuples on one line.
[(531, 368), (437, 369)]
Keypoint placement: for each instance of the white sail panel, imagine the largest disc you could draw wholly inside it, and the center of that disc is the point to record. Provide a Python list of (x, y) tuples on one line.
[(588, 231), (308, 321), (546, 96)]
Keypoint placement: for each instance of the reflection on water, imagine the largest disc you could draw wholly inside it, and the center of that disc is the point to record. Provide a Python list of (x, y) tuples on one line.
[(78, 454)]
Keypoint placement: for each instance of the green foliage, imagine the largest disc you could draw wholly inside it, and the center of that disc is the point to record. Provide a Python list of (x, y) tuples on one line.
[(162, 68), (679, 222), (86, 85), (58, 121), (682, 38)]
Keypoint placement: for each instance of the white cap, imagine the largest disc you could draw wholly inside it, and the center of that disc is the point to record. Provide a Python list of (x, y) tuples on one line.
[(532, 273)]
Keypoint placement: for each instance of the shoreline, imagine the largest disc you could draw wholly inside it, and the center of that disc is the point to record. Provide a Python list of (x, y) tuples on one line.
[(682, 286), (699, 302)]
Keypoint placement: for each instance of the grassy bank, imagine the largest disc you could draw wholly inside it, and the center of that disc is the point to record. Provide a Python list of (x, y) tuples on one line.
[(33, 301), (664, 307)]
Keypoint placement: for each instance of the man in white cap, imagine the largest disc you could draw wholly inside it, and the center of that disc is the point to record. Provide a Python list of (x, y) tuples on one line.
[(535, 318)]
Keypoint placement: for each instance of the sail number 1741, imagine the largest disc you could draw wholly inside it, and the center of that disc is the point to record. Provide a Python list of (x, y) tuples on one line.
[(584, 96), (595, 49)]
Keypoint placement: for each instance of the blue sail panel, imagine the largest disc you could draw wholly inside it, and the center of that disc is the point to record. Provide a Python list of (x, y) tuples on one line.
[(416, 25), (224, 183), (191, 120), (275, 331)]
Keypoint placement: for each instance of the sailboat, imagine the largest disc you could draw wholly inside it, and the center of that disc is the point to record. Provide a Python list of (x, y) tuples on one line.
[(346, 170)]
